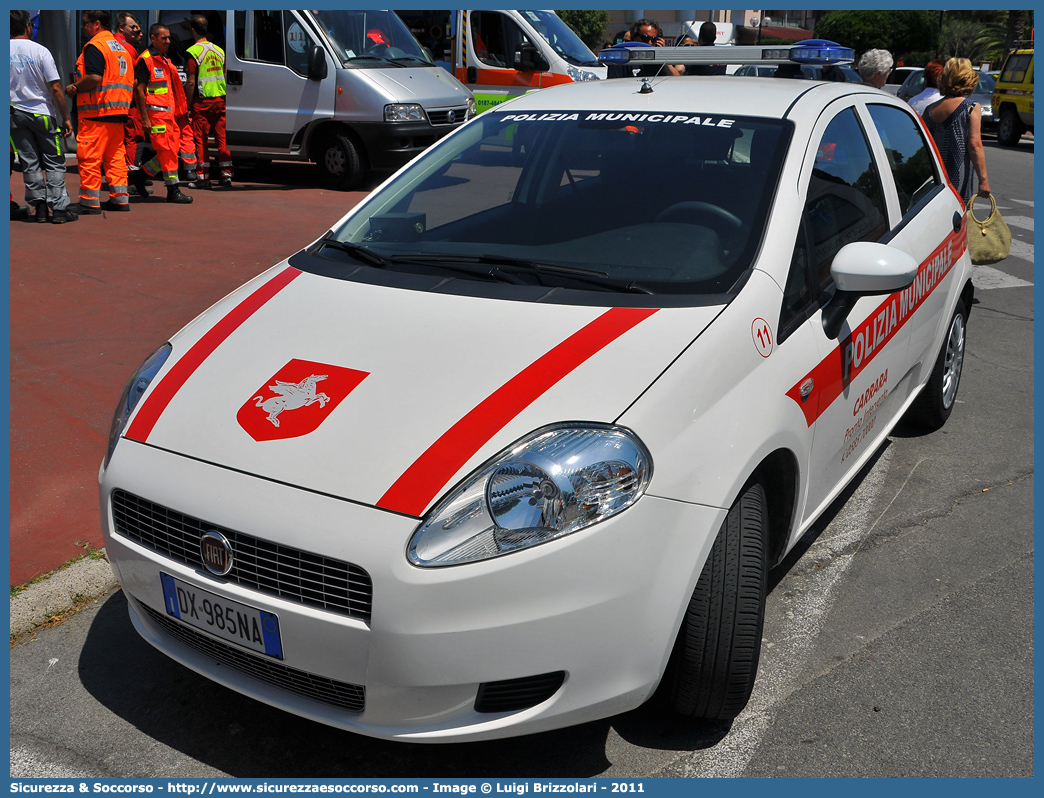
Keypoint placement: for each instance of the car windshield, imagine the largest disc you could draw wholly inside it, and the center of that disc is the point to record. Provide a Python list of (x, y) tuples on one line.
[(644, 202), (363, 38), (986, 84), (561, 38)]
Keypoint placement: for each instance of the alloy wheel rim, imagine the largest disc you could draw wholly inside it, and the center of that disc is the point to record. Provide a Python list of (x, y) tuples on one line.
[(954, 360)]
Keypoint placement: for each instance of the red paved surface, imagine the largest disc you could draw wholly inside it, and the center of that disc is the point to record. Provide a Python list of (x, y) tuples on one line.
[(91, 299)]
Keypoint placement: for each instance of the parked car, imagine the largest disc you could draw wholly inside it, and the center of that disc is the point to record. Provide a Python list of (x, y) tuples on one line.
[(896, 78), (495, 455)]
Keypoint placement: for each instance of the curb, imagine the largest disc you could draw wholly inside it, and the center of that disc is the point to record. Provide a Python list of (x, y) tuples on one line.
[(62, 591)]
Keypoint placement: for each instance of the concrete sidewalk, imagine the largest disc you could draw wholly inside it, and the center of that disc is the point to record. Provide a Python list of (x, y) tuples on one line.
[(64, 590)]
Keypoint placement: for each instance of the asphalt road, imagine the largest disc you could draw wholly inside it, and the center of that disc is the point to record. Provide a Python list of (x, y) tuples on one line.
[(898, 638)]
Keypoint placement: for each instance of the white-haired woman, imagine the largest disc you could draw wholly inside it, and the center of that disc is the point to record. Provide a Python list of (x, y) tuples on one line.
[(874, 67)]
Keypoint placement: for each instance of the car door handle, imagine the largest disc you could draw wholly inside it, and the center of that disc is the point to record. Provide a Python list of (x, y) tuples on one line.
[(958, 220), (235, 77)]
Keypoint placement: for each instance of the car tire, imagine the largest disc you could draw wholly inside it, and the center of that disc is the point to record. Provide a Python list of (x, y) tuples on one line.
[(935, 403), (340, 166), (1009, 129), (715, 658)]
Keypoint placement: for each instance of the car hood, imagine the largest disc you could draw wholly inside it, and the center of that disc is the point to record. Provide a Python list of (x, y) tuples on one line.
[(431, 87), (387, 396)]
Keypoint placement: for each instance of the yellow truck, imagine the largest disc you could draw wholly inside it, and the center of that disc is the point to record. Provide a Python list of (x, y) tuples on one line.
[(1013, 95)]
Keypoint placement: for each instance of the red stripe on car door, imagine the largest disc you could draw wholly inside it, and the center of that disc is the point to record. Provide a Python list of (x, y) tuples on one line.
[(161, 396), (422, 481)]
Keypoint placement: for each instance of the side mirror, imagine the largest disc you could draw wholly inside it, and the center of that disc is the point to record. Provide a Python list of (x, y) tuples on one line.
[(317, 69), (529, 59), (864, 268)]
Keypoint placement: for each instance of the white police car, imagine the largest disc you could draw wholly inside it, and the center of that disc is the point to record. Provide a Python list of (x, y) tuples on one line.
[(523, 433)]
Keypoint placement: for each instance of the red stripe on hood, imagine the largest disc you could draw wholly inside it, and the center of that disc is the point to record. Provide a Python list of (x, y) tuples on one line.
[(162, 394), (422, 481)]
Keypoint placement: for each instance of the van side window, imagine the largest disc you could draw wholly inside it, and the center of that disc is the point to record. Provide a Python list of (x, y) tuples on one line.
[(267, 41), (912, 167), (298, 44), (495, 38)]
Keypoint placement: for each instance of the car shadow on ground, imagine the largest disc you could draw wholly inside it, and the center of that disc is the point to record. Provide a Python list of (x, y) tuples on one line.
[(209, 723)]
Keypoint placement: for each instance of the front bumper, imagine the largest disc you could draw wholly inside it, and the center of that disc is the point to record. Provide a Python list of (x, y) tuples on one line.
[(389, 145), (602, 605)]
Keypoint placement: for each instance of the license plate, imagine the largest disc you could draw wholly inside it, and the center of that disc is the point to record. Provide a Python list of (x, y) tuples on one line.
[(237, 623)]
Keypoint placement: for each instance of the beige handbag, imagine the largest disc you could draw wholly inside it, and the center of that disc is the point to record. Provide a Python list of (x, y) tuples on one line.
[(988, 241)]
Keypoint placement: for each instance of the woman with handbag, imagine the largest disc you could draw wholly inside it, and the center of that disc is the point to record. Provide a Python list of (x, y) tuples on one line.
[(955, 123)]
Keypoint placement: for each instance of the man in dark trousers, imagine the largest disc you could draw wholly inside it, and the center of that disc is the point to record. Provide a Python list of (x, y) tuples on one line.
[(36, 93)]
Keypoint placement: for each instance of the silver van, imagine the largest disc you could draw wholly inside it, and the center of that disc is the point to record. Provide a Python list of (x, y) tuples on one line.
[(350, 90)]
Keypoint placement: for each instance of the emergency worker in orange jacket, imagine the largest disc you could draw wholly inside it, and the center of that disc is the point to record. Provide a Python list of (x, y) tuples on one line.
[(154, 91), (104, 91)]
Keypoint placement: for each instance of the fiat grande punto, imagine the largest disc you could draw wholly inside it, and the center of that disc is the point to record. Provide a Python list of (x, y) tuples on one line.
[(514, 444)]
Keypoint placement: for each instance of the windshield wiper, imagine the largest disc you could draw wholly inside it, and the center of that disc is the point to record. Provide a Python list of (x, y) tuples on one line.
[(416, 58), (373, 58), (589, 276), (357, 252)]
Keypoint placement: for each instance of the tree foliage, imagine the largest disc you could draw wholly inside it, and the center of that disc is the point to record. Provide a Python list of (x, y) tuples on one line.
[(899, 32), (588, 25)]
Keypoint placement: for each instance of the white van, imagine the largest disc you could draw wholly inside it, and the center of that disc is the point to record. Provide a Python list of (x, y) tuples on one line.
[(351, 90), (502, 54)]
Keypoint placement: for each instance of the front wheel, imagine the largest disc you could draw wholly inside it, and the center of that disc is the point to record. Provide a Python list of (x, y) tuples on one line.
[(715, 658), (931, 409), (1009, 130), (340, 166)]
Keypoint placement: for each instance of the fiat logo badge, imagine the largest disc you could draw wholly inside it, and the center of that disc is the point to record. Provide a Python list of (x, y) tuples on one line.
[(217, 553)]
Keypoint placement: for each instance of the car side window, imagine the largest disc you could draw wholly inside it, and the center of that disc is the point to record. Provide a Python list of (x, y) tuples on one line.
[(912, 166), (495, 38), (844, 203)]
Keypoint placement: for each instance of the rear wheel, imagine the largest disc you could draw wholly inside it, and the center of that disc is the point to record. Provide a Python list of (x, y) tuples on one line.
[(931, 409), (1009, 130), (340, 166), (715, 658)]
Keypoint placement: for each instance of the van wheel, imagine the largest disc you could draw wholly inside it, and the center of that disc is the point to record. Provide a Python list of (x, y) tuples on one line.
[(715, 658), (340, 167), (935, 403), (1009, 130)]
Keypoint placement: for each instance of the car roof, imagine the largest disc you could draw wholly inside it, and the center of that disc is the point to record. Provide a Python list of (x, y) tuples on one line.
[(725, 95)]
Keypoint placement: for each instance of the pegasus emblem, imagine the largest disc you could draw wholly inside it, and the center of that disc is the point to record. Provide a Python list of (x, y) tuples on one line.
[(291, 397)]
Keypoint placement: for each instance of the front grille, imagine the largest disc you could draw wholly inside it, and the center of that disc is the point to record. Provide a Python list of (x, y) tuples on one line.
[(442, 117), (319, 688), (271, 568), (512, 695)]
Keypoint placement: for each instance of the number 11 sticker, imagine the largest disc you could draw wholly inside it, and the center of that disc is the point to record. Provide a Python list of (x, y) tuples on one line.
[(762, 337)]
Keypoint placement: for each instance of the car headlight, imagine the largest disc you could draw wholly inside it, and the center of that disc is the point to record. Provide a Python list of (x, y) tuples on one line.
[(132, 393), (581, 75), (555, 481), (471, 109), (403, 112)]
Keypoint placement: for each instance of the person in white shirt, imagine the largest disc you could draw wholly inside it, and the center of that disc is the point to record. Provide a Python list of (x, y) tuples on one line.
[(36, 136), (931, 87)]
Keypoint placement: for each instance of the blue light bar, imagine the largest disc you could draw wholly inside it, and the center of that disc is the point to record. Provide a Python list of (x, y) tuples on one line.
[(625, 52), (821, 51)]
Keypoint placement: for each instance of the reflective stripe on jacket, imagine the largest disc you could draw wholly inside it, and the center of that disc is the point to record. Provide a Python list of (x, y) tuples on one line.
[(116, 93)]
